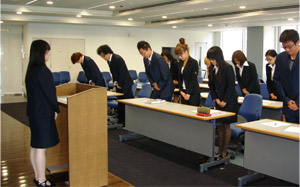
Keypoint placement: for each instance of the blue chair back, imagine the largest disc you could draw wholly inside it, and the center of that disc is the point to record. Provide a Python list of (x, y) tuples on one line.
[(133, 89), (145, 91), (199, 79), (107, 76), (105, 82), (251, 107), (133, 74), (264, 91), (56, 78), (238, 90), (209, 102), (143, 77), (81, 77), (64, 77)]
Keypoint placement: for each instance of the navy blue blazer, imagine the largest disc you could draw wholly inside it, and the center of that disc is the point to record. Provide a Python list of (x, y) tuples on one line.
[(248, 79), (159, 72), (120, 74), (286, 80), (92, 71)]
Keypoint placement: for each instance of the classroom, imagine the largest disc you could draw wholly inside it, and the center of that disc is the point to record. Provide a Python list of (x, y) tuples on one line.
[(146, 123)]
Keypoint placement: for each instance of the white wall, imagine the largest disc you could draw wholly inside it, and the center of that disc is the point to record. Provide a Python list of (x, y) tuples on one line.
[(122, 40), (269, 43)]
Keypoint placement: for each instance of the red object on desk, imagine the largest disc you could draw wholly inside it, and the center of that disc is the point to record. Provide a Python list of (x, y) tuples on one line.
[(202, 114)]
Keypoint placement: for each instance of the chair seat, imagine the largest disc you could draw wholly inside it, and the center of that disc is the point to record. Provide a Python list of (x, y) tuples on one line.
[(236, 132), (112, 104)]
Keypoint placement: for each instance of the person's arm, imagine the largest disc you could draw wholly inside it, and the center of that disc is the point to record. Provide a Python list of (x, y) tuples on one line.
[(193, 80), (253, 76), (277, 81), (212, 88), (147, 72), (165, 73), (239, 78), (269, 81), (46, 82), (230, 82), (122, 70)]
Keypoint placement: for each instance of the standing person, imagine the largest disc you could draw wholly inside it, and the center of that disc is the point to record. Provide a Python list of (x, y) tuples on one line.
[(222, 89), (90, 68), (270, 69), (246, 73), (188, 72), (42, 109), (157, 71), (286, 76), (173, 66), (121, 76)]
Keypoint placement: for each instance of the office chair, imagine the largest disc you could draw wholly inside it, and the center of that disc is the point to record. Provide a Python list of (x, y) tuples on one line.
[(199, 79), (82, 78), (264, 91), (238, 90), (250, 110), (204, 70), (209, 102), (64, 77), (56, 78), (145, 92), (143, 77), (108, 78), (133, 74)]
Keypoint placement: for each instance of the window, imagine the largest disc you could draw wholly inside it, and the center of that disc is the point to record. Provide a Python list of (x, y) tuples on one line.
[(283, 28), (232, 40)]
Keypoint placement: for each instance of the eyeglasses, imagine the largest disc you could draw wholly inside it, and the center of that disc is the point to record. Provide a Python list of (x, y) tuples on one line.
[(269, 59), (288, 47)]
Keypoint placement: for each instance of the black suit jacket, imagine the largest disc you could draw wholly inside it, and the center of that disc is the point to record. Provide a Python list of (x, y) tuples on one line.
[(92, 71), (159, 72), (270, 83), (120, 74), (189, 76), (174, 70), (248, 79), (41, 94)]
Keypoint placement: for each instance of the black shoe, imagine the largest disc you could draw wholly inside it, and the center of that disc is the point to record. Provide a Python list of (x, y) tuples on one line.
[(217, 156), (35, 181), (44, 183)]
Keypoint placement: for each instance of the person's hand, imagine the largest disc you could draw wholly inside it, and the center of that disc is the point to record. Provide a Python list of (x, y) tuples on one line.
[(185, 96), (222, 104), (175, 82), (117, 85), (155, 86), (273, 97), (245, 91), (292, 105), (218, 101), (92, 83), (55, 115)]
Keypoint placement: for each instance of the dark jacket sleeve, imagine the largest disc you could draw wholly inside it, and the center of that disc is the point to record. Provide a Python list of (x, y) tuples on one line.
[(193, 74), (46, 82), (147, 71), (253, 73), (212, 86), (165, 72), (229, 77)]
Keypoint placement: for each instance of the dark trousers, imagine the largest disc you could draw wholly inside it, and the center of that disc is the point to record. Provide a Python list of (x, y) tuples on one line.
[(121, 106)]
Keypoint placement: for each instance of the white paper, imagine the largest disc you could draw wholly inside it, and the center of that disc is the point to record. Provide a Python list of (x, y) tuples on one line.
[(293, 129), (276, 124), (155, 101)]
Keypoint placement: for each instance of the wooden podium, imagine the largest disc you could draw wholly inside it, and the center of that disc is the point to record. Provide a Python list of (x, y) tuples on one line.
[(82, 129)]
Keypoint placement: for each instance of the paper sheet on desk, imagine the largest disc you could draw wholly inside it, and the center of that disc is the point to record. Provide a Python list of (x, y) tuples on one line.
[(293, 129), (155, 101), (276, 124)]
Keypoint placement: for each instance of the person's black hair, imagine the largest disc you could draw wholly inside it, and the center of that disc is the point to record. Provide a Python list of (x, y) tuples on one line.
[(143, 45), (289, 35), (38, 50), (105, 49), (271, 52), (216, 53)]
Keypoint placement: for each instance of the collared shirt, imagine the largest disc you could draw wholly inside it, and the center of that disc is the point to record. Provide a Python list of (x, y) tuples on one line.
[(183, 83), (169, 64), (82, 59), (216, 69), (110, 57), (272, 71), (241, 68), (150, 58)]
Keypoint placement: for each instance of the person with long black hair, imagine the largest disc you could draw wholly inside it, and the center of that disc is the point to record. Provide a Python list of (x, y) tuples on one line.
[(222, 89), (42, 109), (270, 69)]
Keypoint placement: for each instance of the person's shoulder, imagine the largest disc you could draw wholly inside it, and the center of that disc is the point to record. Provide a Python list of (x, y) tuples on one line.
[(283, 55), (43, 71), (191, 59)]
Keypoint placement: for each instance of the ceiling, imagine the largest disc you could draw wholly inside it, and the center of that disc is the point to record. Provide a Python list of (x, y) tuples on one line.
[(180, 14)]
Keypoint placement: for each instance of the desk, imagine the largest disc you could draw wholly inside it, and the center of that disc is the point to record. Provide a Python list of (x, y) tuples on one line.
[(271, 109), (271, 150), (175, 90), (113, 94), (175, 124)]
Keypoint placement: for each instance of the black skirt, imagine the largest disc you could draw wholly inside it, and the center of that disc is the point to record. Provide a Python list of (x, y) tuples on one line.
[(232, 106), (43, 132)]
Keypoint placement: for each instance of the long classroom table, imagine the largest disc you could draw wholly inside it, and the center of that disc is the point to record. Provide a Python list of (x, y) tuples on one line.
[(175, 124), (271, 109), (271, 148)]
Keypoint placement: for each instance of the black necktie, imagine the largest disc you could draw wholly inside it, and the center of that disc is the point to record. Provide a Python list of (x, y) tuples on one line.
[(149, 62)]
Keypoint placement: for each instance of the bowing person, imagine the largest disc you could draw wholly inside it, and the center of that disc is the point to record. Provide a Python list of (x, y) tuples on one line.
[(173, 66), (270, 69), (286, 76), (90, 68), (42, 109), (120, 74), (188, 72), (157, 71), (222, 89), (246, 73)]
